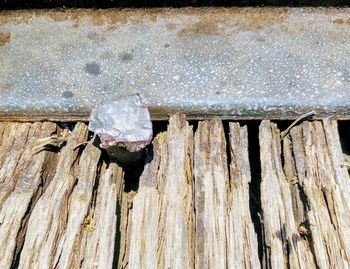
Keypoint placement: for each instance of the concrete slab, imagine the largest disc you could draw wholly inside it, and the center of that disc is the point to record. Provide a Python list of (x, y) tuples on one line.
[(236, 63)]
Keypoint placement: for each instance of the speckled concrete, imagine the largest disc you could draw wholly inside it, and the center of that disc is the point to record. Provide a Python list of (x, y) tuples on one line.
[(236, 63)]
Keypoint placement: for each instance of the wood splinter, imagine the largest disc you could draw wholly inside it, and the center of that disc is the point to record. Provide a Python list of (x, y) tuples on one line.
[(302, 117)]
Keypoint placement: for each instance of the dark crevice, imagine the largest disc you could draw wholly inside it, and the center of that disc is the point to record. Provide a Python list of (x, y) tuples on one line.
[(117, 236), (282, 126), (159, 127), (66, 125), (226, 125), (254, 187), (62, 4), (194, 124), (135, 163), (344, 134)]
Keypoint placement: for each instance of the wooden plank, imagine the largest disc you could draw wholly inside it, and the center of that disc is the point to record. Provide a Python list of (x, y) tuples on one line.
[(242, 244), (211, 194), (9, 133), (325, 186), (29, 178), (65, 208), (285, 247), (13, 149), (99, 248), (125, 228), (66, 253), (222, 225), (146, 211), (2, 130), (167, 181), (48, 219), (176, 215)]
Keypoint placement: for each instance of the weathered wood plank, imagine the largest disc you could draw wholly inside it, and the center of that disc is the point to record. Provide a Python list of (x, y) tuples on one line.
[(17, 155), (30, 174), (285, 247), (167, 181), (325, 185), (177, 218), (242, 244), (2, 130), (9, 133), (66, 254), (99, 249), (146, 211), (176, 228), (125, 228), (48, 219), (211, 194)]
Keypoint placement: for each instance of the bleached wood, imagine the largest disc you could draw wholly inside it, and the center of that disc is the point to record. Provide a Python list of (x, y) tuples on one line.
[(284, 244), (49, 216), (9, 136), (176, 229), (125, 228), (100, 246), (146, 210), (66, 254), (242, 243), (324, 182), (162, 234), (12, 150), (30, 175), (2, 130), (211, 194)]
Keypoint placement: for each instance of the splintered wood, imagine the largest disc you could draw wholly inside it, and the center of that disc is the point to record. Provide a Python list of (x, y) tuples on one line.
[(47, 196), (63, 204), (305, 203), (189, 211)]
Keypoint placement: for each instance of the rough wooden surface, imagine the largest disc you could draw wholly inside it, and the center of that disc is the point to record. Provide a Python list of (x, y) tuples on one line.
[(99, 248), (242, 244), (324, 184), (213, 225), (305, 203), (211, 195), (68, 207), (285, 246), (28, 180), (59, 210), (162, 219)]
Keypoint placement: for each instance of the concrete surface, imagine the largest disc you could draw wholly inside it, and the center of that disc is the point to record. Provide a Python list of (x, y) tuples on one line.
[(236, 63)]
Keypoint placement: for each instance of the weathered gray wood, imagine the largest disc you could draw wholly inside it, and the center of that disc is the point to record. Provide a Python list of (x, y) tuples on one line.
[(242, 244), (63, 206), (2, 130), (125, 228), (284, 244), (29, 175), (9, 133), (99, 249), (211, 196), (146, 211), (12, 150), (48, 219), (224, 234), (325, 185), (66, 254), (166, 239)]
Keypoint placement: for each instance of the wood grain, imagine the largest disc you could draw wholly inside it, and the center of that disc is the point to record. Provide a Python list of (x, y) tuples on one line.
[(27, 181)]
